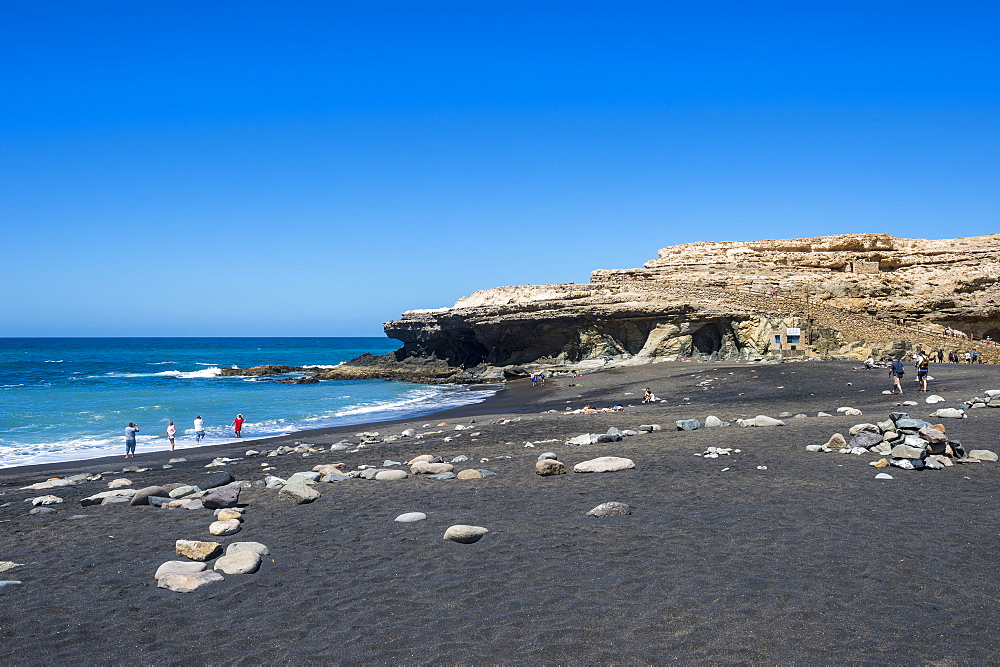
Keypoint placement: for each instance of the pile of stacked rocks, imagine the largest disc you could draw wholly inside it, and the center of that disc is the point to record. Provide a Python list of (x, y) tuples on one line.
[(989, 399), (906, 443)]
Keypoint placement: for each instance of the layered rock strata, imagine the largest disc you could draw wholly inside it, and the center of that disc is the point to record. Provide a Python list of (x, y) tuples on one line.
[(725, 300), (847, 293)]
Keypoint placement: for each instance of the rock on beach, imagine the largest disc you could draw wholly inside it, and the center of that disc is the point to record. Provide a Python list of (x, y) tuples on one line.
[(612, 508), (604, 464), (186, 583), (464, 534), (226, 527), (196, 549), (238, 562), (298, 494), (548, 467), (179, 567)]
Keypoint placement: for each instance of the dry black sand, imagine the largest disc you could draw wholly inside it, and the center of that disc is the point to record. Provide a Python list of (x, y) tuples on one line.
[(812, 560)]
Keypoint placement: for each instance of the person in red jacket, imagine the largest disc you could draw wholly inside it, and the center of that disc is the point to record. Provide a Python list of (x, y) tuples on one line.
[(238, 425)]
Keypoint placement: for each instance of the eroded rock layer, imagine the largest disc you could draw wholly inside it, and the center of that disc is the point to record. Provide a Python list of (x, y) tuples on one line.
[(725, 300)]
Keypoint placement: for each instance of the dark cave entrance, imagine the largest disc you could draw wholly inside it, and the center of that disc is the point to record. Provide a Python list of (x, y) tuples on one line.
[(708, 339)]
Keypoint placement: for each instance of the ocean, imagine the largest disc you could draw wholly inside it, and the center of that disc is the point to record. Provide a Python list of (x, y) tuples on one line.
[(67, 399)]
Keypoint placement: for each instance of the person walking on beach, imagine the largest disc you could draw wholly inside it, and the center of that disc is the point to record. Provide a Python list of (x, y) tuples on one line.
[(896, 373), (534, 380), (923, 367), (199, 429), (130, 432), (238, 425), (171, 432)]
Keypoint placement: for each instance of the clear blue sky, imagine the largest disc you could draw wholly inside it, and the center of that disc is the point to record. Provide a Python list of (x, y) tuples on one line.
[(316, 168)]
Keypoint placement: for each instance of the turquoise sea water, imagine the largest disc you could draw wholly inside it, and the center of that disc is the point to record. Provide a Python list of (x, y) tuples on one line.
[(65, 399)]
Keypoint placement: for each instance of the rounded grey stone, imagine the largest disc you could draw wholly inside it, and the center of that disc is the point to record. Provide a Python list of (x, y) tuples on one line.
[(611, 508), (464, 534)]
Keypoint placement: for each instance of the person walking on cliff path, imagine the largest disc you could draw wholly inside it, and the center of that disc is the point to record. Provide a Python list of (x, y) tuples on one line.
[(130, 432), (896, 372), (199, 429), (238, 425), (171, 432)]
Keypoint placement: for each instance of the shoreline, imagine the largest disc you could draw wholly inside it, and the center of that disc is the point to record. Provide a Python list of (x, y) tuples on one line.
[(209, 452)]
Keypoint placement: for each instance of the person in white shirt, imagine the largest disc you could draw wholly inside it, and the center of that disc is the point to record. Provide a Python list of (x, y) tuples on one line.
[(199, 429), (171, 432)]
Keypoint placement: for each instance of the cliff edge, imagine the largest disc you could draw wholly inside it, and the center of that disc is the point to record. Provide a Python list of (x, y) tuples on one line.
[(727, 300)]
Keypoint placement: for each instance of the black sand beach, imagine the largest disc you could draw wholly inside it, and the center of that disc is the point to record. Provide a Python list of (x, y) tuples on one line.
[(810, 560)]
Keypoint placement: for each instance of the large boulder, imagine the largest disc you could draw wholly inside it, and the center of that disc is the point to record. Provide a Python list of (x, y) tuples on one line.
[(390, 475), (98, 498), (464, 534), (426, 468), (866, 439), (222, 497), (611, 508), (197, 550), (238, 562), (185, 583), (220, 478), (297, 494), (226, 527), (141, 496), (179, 567), (548, 467), (907, 452), (604, 464), (949, 413)]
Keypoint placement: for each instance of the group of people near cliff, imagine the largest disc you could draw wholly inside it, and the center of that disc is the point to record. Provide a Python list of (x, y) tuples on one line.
[(921, 362), (199, 433)]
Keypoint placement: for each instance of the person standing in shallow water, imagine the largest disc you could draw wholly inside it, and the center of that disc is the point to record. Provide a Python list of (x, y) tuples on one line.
[(171, 432), (199, 429), (130, 432), (238, 425)]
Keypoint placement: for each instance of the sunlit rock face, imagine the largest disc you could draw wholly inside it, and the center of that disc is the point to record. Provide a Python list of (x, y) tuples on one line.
[(720, 300)]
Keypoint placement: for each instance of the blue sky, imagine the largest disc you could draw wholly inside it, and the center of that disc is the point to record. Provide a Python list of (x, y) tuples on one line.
[(307, 168)]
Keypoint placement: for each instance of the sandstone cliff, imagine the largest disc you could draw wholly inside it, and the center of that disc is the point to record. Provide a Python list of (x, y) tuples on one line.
[(727, 300)]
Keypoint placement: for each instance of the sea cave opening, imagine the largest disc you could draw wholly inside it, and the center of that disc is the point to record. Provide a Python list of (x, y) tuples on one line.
[(707, 340)]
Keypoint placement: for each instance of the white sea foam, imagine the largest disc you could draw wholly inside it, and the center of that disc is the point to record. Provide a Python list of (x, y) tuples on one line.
[(325, 365), (414, 402), (53, 361), (185, 375), (204, 373)]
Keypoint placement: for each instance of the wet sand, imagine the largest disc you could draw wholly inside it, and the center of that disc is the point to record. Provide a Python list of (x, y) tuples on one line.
[(809, 560)]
